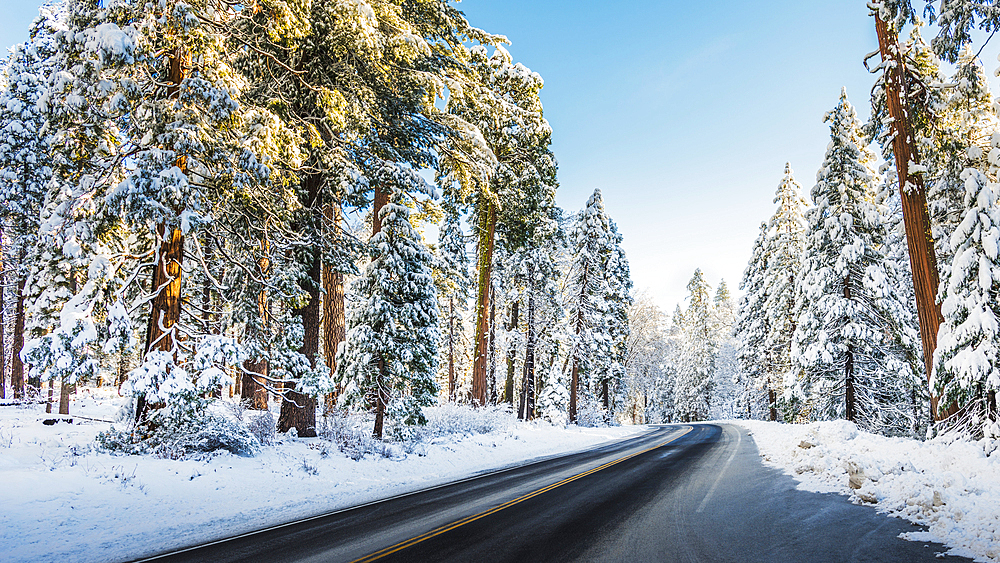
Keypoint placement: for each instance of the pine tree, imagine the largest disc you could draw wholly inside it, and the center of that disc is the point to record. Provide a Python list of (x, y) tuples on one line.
[(752, 330), (619, 300), (455, 290), (786, 244), (587, 288), (695, 360), (850, 343), (503, 103), (967, 361), (25, 159), (390, 356)]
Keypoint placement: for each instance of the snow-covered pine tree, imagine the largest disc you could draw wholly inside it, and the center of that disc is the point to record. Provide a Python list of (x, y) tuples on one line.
[(503, 103), (751, 330), (967, 361), (454, 267), (695, 360), (537, 269), (849, 342), (955, 20), (786, 243), (586, 291), (727, 378), (619, 299), (389, 359), (25, 159)]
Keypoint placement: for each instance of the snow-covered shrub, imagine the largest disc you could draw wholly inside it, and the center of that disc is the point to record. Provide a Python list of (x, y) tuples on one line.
[(178, 437), (262, 425), (350, 433), (452, 418), (591, 414)]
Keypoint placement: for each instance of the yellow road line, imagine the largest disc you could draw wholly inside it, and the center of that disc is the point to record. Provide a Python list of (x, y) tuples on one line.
[(448, 527)]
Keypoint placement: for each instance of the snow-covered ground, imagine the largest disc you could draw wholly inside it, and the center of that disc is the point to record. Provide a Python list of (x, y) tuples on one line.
[(63, 499), (946, 484)]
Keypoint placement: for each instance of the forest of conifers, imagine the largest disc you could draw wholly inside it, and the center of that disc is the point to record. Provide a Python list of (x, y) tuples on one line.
[(350, 206)]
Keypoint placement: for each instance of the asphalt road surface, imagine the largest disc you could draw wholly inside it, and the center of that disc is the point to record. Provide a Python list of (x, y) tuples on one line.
[(679, 493)]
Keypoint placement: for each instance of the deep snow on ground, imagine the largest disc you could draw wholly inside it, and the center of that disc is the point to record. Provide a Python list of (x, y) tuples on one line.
[(947, 484), (64, 499)]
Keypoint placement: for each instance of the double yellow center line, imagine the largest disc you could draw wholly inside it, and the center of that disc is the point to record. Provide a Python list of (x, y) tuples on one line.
[(448, 527)]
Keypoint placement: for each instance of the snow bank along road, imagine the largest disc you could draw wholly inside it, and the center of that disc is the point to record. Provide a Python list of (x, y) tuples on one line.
[(679, 493)]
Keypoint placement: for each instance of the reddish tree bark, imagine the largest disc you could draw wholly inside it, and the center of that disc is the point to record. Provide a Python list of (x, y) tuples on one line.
[(334, 318), (253, 388), (165, 308), (64, 392), (916, 220), (487, 236), (16, 365), (299, 410)]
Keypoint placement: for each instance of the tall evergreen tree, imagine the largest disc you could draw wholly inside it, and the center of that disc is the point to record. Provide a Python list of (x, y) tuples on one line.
[(786, 242), (850, 343), (587, 289), (967, 361), (25, 158), (752, 329), (695, 360), (390, 356)]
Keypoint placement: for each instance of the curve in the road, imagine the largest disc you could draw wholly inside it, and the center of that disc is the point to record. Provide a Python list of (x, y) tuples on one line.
[(678, 493)]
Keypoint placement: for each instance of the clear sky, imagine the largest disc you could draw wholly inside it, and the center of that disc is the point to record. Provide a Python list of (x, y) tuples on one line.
[(682, 113)]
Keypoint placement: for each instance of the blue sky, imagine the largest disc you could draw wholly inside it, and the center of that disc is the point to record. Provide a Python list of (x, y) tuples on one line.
[(682, 113)]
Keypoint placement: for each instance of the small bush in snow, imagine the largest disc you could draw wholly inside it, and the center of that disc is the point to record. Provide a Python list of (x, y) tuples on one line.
[(262, 425), (452, 418), (174, 435), (352, 436), (591, 414)]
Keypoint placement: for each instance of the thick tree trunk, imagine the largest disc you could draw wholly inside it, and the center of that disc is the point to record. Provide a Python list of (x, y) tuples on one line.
[(252, 391), (916, 219), (772, 407), (334, 318), (253, 388), (165, 309), (16, 365), (487, 235), (64, 392), (299, 410), (48, 403), (451, 349)]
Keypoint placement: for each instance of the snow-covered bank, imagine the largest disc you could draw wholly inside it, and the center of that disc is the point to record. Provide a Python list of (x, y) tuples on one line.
[(65, 500), (948, 485)]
